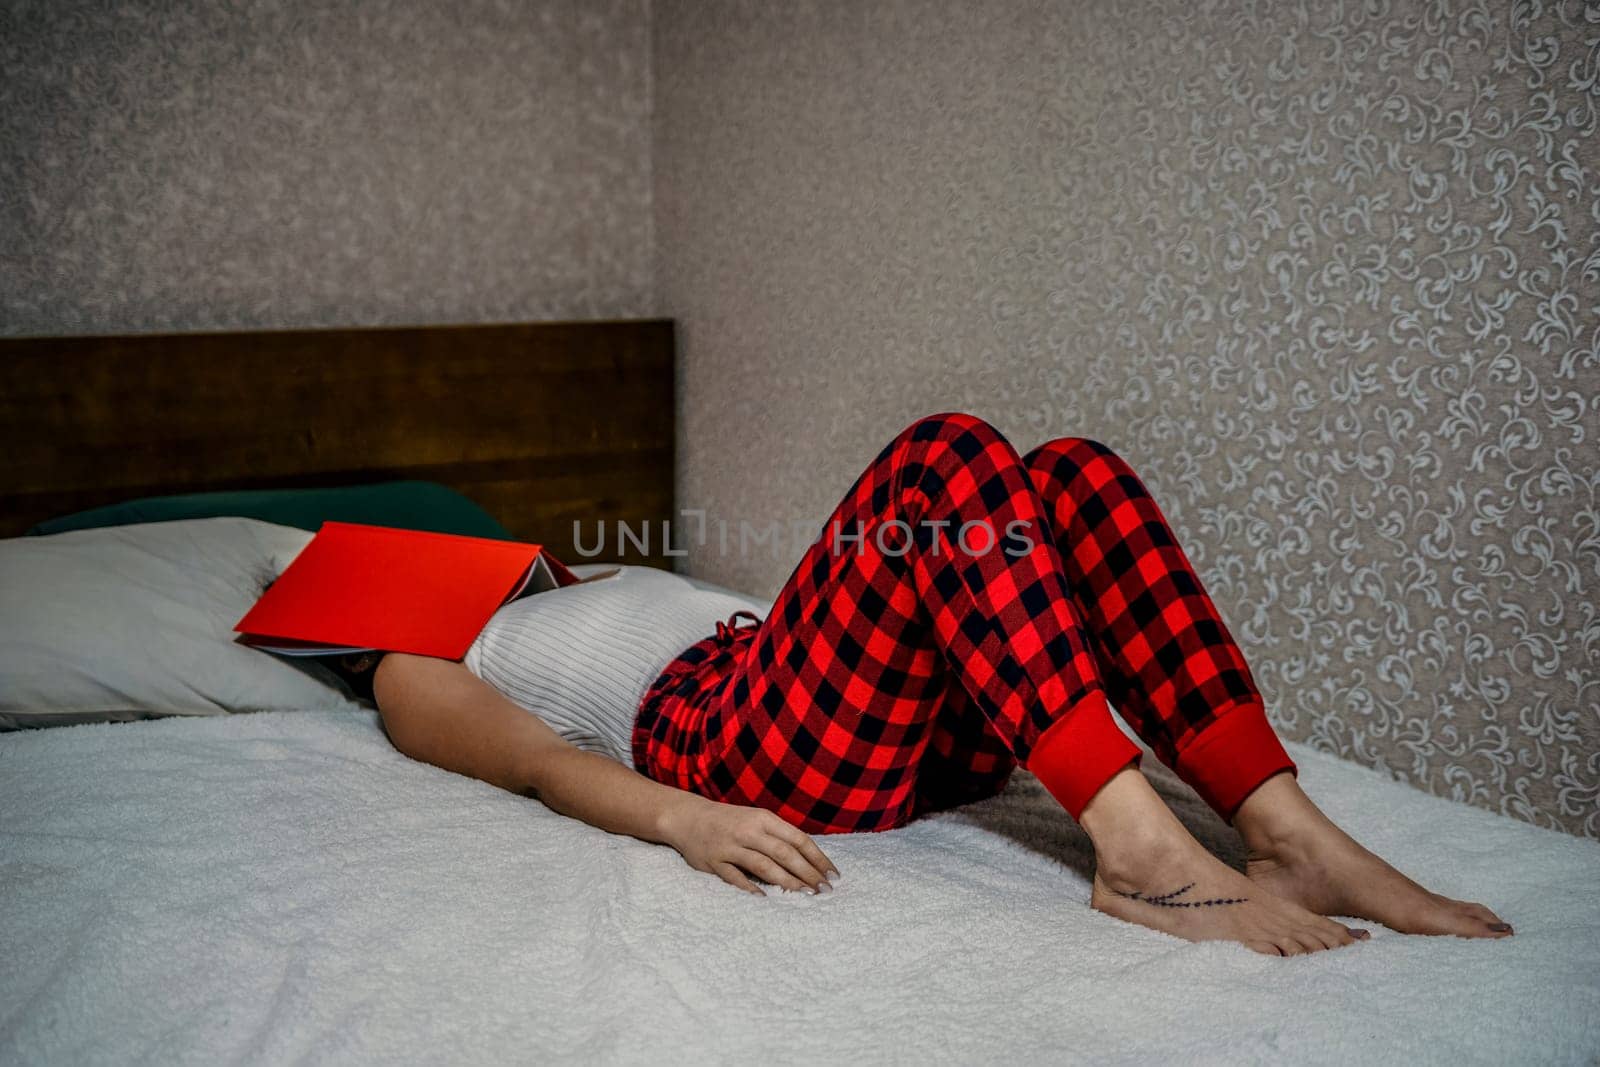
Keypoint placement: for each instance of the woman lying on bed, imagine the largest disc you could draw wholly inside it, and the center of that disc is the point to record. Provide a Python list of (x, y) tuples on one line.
[(967, 611)]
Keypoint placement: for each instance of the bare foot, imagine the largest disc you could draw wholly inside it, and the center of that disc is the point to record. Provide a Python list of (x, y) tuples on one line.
[(1296, 852), (1150, 871)]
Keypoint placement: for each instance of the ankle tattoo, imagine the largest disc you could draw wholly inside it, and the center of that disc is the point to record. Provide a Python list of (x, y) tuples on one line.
[(1169, 900)]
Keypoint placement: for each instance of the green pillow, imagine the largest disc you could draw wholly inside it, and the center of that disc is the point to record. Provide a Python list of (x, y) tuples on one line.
[(409, 505)]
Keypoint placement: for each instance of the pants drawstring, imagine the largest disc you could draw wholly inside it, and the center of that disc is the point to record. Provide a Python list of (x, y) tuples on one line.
[(728, 631)]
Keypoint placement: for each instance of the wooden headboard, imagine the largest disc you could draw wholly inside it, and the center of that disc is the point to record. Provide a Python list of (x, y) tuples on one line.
[(542, 424)]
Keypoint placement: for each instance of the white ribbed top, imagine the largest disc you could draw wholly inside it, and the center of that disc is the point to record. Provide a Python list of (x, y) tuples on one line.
[(581, 657)]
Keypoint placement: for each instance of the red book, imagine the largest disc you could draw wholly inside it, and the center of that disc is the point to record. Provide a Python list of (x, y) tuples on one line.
[(356, 588)]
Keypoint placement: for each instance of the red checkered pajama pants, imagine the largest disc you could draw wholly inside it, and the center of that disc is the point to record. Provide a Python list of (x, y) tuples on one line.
[(967, 610)]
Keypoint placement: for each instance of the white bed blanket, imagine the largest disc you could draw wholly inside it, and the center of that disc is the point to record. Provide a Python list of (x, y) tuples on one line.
[(286, 886)]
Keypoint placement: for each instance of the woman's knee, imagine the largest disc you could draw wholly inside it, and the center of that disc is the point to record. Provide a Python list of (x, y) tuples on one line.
[(1070, 455), (967, 434)]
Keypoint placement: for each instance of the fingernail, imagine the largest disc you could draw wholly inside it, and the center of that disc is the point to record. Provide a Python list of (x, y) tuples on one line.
[(1500, 928), (1358, 933), (824, 887), (833, 876)]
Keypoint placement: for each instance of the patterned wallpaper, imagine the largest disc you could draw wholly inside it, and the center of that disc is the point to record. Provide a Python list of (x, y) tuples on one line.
[(186, 164), (1326, 273)]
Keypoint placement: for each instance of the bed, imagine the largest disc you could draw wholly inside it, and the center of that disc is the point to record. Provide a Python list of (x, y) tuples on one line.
[(285, 886)]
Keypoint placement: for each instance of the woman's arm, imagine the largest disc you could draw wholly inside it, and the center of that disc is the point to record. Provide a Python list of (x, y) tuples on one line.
[(437, 711)]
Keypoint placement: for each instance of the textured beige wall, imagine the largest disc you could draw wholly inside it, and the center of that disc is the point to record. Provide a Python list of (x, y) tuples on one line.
[(1325, 273), (189, 165)]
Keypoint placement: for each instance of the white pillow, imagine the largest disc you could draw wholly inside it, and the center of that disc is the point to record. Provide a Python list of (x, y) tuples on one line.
[(132, 622)]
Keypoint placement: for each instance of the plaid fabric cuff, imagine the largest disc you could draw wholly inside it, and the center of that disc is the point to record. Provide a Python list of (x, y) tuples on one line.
[(1232, 756), (1079, 752)]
